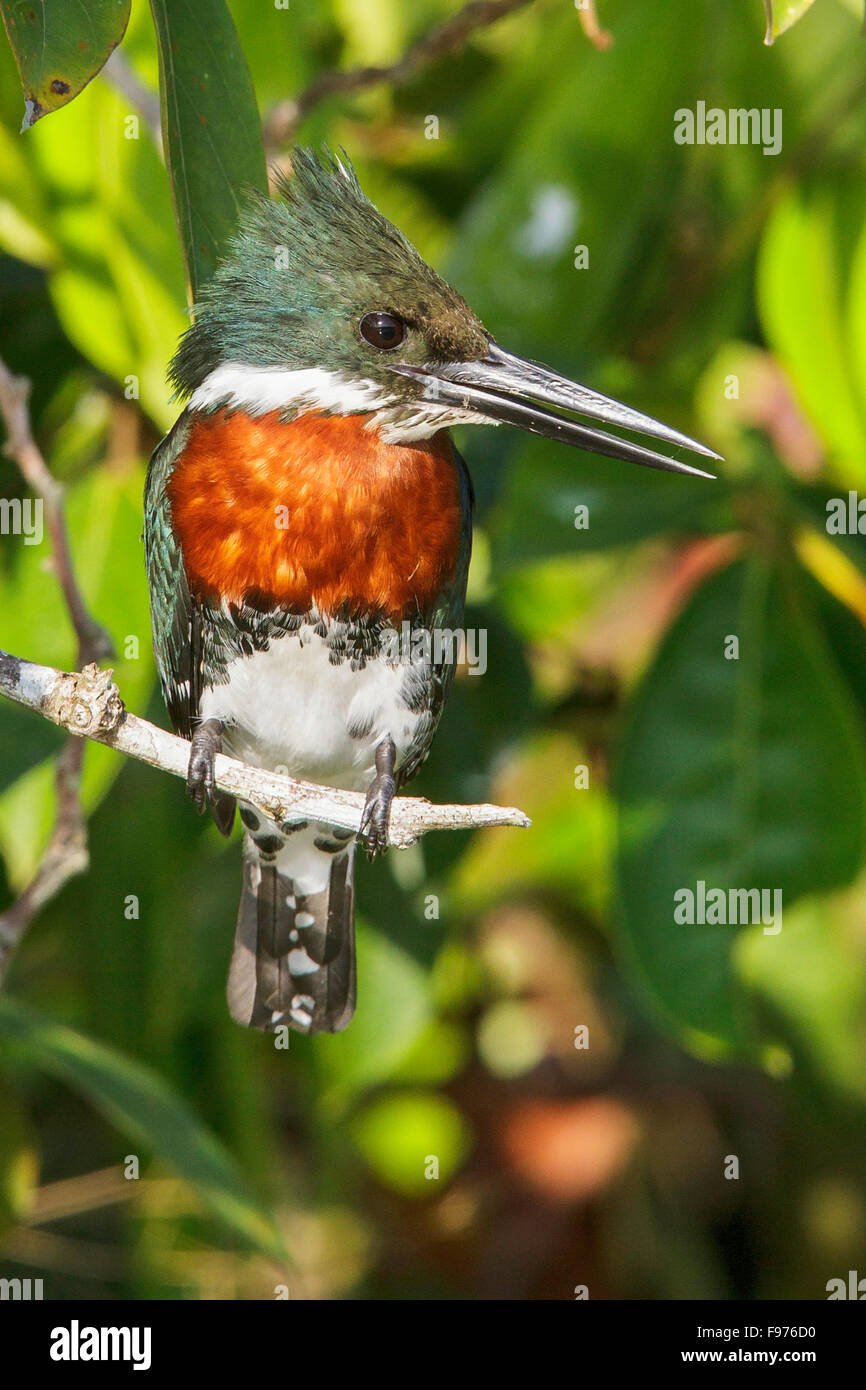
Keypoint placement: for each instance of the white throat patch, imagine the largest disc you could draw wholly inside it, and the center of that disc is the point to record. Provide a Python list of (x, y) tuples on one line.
[(258, 391)]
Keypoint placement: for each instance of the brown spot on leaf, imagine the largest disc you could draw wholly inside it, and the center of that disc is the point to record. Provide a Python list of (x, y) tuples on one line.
[(60, 87)]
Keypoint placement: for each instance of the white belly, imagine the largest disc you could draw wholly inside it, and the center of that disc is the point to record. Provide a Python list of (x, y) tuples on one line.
[(290, 710)]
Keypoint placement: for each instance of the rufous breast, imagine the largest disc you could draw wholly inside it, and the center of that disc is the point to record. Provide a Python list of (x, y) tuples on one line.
[(315, 511)]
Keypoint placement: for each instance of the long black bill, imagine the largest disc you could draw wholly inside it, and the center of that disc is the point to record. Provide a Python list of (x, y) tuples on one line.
[(503, 388)]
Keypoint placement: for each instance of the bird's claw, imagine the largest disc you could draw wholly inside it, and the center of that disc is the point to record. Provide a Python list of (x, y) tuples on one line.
[(377, 808), (200, 775), (377, 813)]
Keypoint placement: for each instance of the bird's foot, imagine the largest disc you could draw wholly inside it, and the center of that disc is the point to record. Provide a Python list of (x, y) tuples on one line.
[(207, 741), (377, 808)]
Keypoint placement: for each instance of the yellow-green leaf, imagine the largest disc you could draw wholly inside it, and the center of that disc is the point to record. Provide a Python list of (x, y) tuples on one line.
[(781, 15)]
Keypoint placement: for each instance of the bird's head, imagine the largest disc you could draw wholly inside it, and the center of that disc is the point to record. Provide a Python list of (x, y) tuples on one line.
[(322, 304)]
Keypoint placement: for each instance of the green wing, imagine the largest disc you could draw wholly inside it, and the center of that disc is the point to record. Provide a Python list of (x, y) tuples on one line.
[(174, 614), (176, 617)]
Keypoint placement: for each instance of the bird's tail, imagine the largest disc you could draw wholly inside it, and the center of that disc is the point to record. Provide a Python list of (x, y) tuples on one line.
[(294, 952)]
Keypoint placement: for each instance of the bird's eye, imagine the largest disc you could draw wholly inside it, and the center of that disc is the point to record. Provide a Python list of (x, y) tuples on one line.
[(382, 330)]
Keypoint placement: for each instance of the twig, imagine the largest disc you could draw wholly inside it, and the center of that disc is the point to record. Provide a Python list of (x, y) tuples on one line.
[(65, 857), (88, 704), (66, 854), (448, 36), (94, 642)]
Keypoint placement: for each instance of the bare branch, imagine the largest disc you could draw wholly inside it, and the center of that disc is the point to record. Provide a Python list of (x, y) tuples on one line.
[(88, 704), (449, 36), (66, 854), (65, 857), (94, 642)]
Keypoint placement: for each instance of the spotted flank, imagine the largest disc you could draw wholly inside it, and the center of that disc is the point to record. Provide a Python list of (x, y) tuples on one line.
[(294, 954)]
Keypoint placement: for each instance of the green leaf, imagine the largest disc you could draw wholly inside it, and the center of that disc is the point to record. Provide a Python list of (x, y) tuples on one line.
[(817, 332), (117, 276), (782, 15), (59, 45), (210, 123), (140, 1104), (623, 505), (731, 771)]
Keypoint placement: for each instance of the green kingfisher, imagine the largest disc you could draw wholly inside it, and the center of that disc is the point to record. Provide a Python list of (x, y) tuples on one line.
[(306, 511)]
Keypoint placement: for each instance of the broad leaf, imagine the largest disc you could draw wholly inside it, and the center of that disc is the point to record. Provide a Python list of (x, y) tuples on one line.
[(817, 331), (781, 15), (210, 123), (59, 46), (731, 771)]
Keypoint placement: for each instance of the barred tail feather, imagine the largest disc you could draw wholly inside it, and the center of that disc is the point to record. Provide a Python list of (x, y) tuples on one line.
[(294, 952)]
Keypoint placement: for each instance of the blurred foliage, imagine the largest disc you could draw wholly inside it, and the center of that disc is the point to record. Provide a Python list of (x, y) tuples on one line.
[(466, 1137)]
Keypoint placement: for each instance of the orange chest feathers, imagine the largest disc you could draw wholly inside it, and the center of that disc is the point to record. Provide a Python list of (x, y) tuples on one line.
[(316, 511)]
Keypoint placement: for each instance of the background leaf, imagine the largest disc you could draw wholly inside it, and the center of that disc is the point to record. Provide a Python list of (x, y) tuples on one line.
[(729, 771), (781, 15), (137, 1101), (818, 334)]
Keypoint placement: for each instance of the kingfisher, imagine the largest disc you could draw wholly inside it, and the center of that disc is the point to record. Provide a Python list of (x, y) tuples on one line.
[(306, 511)]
